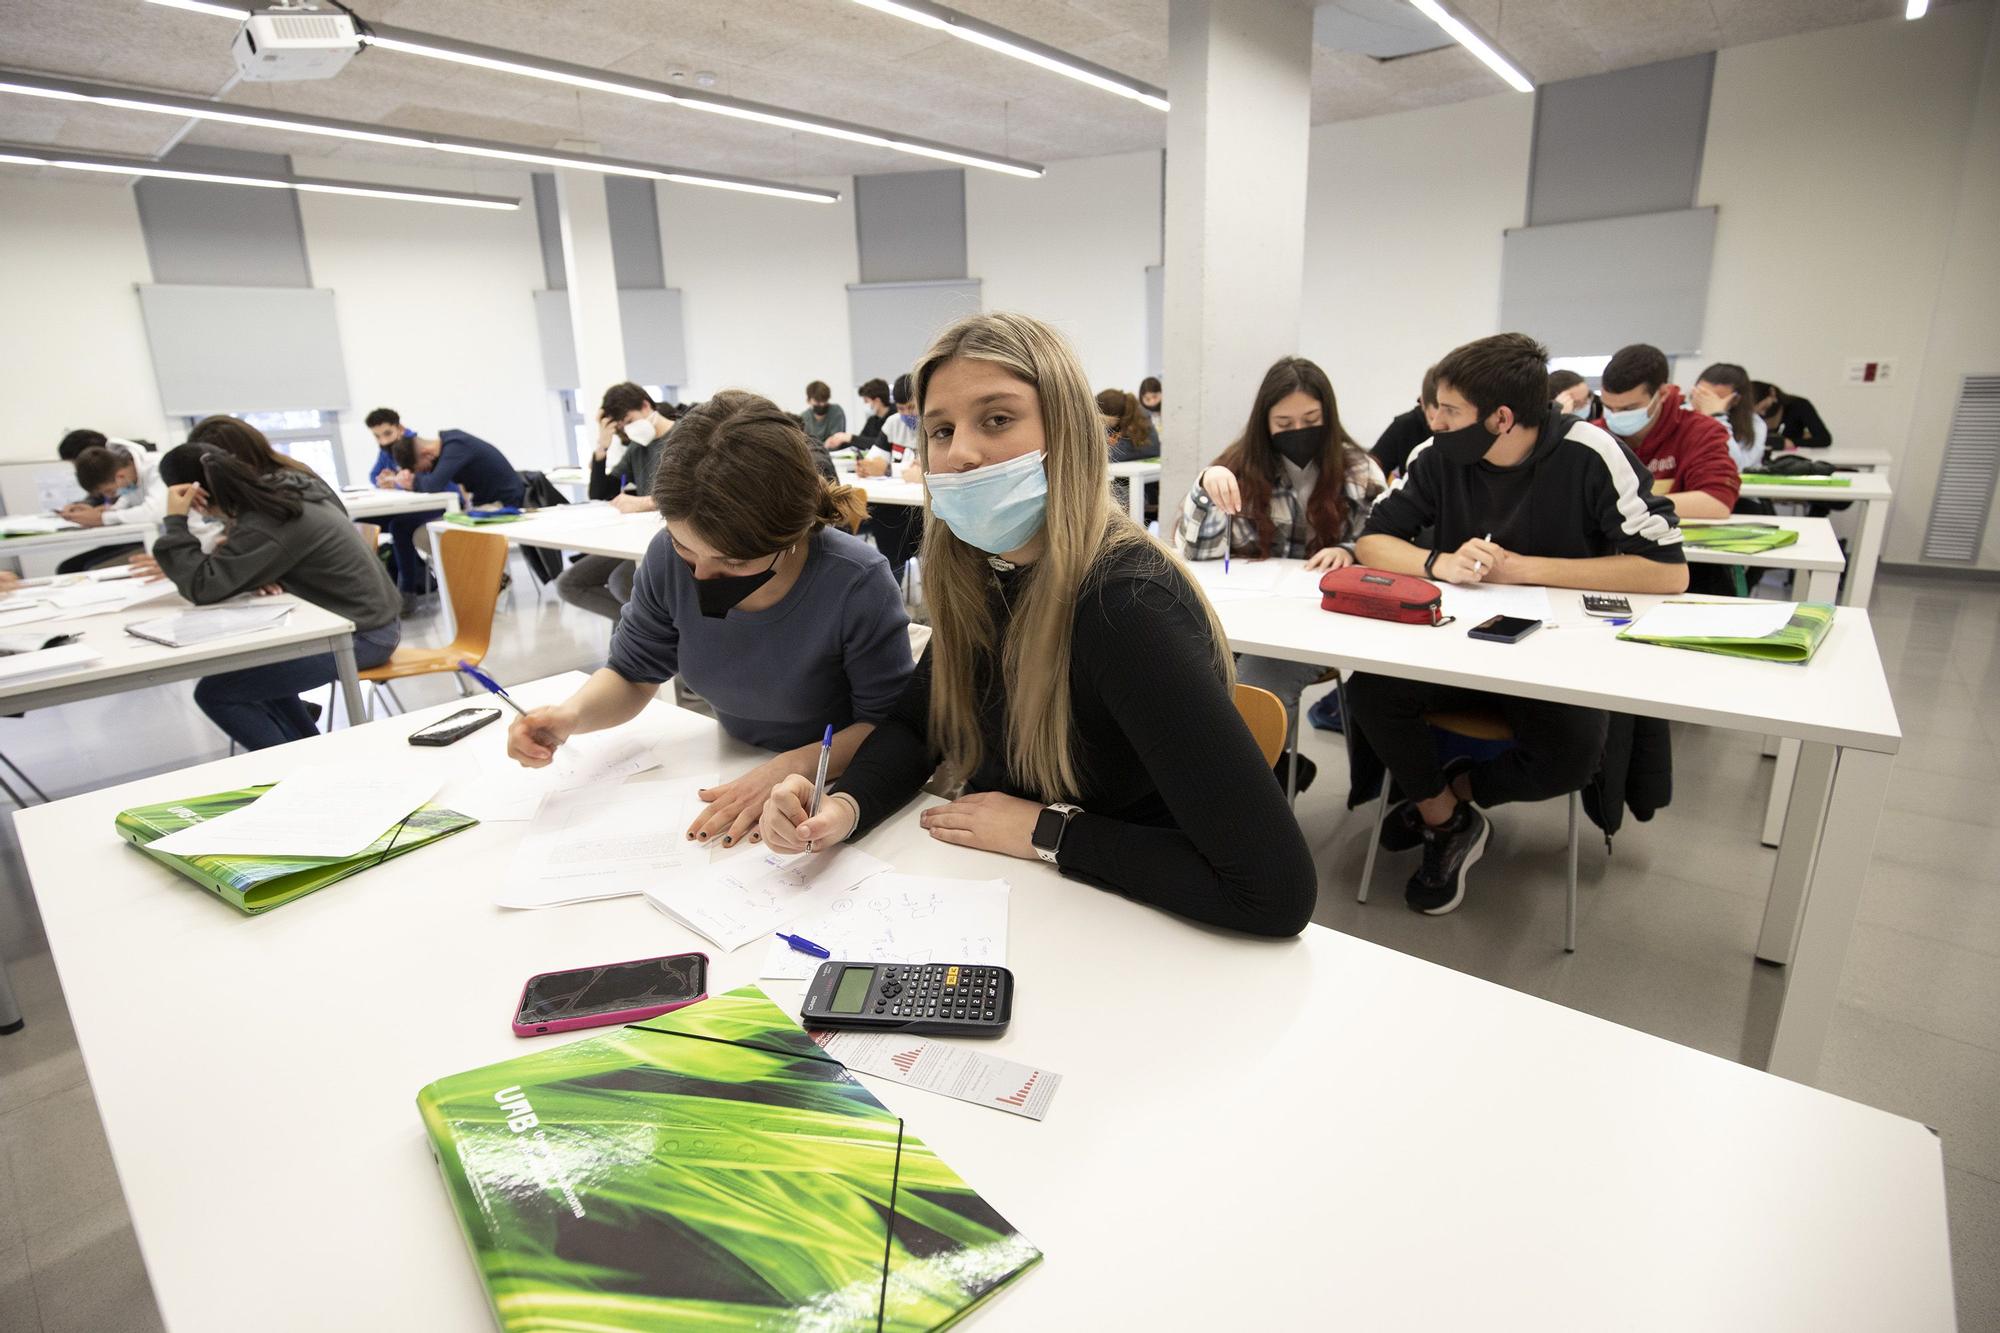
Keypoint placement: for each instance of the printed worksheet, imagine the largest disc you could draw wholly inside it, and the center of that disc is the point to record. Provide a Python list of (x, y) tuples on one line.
[(758, 891), (605, 842), (331, 811), (896, 918), (954, 1071)]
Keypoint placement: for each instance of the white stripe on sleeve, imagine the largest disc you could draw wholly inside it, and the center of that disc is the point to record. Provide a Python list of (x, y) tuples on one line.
[(1636, 517)]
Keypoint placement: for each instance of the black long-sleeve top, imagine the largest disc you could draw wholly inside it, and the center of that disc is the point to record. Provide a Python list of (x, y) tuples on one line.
[(1403, 433), (1180, 809), (1801, 427)]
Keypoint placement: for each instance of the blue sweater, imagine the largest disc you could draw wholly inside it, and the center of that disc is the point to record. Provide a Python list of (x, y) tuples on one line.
[(836, 649), (468, 461)]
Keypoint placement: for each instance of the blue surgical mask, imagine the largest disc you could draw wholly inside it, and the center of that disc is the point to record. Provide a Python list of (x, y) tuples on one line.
[(909, 419), (127, 492), (1627, 423), (996, 508)]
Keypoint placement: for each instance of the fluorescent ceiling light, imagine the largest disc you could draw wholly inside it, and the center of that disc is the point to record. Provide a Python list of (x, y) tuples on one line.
[(122, 166), (407, 42), (172, 104), (204, 7), (1465, 35), (1916, 9), (969, 29)]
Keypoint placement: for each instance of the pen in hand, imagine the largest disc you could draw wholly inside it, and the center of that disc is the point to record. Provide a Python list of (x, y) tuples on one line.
[(819, 779), (491, 686), (1479, 566)]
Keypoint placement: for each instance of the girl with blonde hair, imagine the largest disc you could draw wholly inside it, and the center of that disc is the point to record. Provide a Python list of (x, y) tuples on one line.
[(1076, 684)]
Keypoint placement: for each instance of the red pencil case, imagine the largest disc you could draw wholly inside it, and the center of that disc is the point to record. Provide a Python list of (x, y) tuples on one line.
[(1380, 595)]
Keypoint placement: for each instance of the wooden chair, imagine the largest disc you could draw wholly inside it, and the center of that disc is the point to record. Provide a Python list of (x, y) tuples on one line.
[(1264, 714), (1493, 729), (472, 563)]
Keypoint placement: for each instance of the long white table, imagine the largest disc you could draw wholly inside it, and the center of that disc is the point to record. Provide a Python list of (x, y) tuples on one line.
[(1871, 491), (1838, 706), (367, 505), (69, 541), (1816, 553), (1249, 1134), (1850, 457)]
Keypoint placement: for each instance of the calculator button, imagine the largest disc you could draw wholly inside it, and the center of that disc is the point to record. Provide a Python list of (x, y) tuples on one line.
[(989, 1015), (879, 1008), (892, 989)]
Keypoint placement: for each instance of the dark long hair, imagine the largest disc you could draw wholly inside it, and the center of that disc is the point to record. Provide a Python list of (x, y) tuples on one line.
[(741, 472), (233, 487), (1729, 375), (245, 443), (1256, 463)]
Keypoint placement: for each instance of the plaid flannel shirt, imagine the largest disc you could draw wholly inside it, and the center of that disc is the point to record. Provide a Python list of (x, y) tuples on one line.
[(1205, 532)]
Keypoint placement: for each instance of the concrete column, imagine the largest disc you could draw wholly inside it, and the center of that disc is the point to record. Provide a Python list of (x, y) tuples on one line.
[(593, 284), (1239, 73)]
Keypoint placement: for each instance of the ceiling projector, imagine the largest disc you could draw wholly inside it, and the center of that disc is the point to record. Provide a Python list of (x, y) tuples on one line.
[(290, 42)]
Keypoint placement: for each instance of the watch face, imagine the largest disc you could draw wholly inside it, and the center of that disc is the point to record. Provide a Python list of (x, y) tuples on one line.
[(1048, 830)]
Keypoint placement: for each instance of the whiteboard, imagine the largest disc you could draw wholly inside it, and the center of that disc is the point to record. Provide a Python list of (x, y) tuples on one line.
[(1590, 288), (244, 349), (891, 324)]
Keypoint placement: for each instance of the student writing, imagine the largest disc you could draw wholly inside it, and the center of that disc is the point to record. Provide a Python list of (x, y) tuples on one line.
[(1076, 681)]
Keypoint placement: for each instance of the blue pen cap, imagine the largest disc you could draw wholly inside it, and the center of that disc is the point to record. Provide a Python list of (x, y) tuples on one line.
[(828, 738)]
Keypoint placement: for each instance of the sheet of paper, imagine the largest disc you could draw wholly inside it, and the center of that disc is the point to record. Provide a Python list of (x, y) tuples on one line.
[(212, 623), (758, 891), (49, 661), (503, 790), (126, 594), (605, 842), (903, 919), (1301, 583), (331, 811), (110, 573), (954, 1071), (1714, 620), (27, 614), (33, 525), (88, 593), (1475, 602), (1244, 578), (13, 643)]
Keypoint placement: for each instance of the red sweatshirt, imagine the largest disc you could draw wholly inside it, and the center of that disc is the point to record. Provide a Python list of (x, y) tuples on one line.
[(1688, 451)]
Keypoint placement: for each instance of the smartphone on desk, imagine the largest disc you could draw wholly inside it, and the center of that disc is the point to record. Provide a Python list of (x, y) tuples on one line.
[(456, 727), (1504, 629), (590, 997)]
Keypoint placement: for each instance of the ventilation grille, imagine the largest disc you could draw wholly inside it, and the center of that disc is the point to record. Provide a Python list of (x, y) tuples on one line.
[(309, 27), (1971, 469)]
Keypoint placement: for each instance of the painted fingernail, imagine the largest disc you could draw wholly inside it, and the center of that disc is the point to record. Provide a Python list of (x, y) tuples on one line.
[(727, 841), (703, 837)]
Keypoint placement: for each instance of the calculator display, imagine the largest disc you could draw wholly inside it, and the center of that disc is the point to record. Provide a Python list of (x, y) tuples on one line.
[(852, 992)]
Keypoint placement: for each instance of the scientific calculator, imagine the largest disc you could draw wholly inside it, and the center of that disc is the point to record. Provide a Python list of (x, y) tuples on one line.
[(942, 999)]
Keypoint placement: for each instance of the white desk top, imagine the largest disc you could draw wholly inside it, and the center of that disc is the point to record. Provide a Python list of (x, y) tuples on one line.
[(70, 540), (1863, 458), (889, 490), (1297, 1137), (124, 655), (1816, 548), (1146, 469), (381, 502), (1868, 487), (1841, 696), (593, 529)]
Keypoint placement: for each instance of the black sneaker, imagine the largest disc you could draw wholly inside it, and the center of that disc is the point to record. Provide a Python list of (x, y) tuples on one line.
[(1403, 828), (1449, 852)]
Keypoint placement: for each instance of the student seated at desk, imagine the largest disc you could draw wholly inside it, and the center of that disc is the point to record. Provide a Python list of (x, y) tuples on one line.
[(122, 480), (1513, 493), (413, 577), (631, 436), (1149, 397), (875, 399), (1793, 422), (1686, 452), (1129, 429), (1077, 682), (1570, 395), (280, 538), (250, 447), (1722, 392), (898, 529), (756, 598), (1295, 486), (1407, 430), (823, 417), (455, 460)]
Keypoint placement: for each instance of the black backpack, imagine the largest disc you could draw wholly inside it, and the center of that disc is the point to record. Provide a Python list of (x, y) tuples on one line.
[(538, 492)]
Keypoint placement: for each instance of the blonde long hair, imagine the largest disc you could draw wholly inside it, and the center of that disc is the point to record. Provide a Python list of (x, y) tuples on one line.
[(1082, 530)]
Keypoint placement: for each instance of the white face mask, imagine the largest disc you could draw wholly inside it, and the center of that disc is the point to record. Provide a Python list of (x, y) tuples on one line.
[(640, 431)]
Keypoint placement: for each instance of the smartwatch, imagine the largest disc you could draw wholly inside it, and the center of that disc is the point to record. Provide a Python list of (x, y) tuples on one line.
[(1050, 826), (1430, 560)]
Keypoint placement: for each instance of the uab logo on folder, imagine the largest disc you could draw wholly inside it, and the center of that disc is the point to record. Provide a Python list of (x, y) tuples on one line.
[(712, 1168)]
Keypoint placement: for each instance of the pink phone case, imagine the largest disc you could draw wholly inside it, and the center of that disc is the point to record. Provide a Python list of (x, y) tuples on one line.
[(606, 1019)]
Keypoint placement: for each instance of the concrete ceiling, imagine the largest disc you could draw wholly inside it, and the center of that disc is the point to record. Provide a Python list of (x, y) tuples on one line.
[(829, 57)]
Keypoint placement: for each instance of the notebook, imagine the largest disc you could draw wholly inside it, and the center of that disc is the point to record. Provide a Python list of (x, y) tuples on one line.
[(208, 624), (1780, 479), (256, 884), (1761, 630), (1737, 538), (709, 1169)]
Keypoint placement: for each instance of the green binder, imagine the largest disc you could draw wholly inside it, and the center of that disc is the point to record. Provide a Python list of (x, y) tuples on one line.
[(1737, 538), (256, 884), (1794, 643), (478, 520), (710, 1169), (1772, 479)]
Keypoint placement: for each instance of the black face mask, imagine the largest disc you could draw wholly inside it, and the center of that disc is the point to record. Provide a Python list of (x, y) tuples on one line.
[(1465, 446), (717, 597), (1301, 446)]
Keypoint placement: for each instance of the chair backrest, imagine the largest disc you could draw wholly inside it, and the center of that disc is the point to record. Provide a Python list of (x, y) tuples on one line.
[(1264, 714), (473, 563)]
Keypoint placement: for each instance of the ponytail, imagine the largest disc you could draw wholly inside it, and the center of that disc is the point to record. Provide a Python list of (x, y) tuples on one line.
[(843, 507), (232, 486)]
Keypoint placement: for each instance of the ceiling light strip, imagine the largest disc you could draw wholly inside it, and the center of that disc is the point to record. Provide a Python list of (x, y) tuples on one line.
[(1476, 42), (106, 164), (31, 84), (969, 29)]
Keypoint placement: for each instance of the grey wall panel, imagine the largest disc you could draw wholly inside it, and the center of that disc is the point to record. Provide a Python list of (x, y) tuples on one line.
[(1589, 288), (655, 337), (244, 349), (892, 324), (558, 339), (548, 228), (910, 226), (633, 209), (1618, 144), (234, 236)]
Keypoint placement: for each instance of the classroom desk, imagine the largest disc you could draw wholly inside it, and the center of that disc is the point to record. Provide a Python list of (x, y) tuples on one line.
[(379, 502), (1250, 1134), (592, 529), (1850, 457), (1816, 553), (72, 540), (1871, 491), (1839, 706), (1136, 474), (130, 663)]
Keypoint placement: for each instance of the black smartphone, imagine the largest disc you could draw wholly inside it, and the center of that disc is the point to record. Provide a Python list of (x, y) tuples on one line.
[(592, 997), (456, 727), (1504, 629)]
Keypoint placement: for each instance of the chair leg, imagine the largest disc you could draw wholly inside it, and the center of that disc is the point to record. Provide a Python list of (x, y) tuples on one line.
[(27, 781), (391, 693), (332, 688), (1292, 749), (12, 795), (1374, 841), (1569, 914), (10, 1011)]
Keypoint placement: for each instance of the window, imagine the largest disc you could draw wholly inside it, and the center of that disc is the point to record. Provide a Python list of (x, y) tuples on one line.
[(307, 434)]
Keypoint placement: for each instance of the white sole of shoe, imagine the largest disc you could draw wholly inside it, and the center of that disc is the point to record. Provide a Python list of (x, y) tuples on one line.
[(1471, 859)]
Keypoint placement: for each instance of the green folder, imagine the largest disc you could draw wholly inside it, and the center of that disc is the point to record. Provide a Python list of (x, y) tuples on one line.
[(1795, 643), (256, 884), (1737, 538), (1772, 479), (711, 1169), (477, 520)]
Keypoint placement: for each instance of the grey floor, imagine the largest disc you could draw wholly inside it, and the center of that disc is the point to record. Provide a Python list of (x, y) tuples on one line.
[(1667, 928)]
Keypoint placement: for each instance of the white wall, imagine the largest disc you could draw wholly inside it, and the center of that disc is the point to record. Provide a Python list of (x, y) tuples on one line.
[(436, 309), (763, 291), (1403, 221), (1835, 159), (72, 348), (1072, 249)]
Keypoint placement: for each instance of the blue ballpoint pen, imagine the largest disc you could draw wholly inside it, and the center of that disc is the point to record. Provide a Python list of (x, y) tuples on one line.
[(819, 780), (800, 944), (491, 686)]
